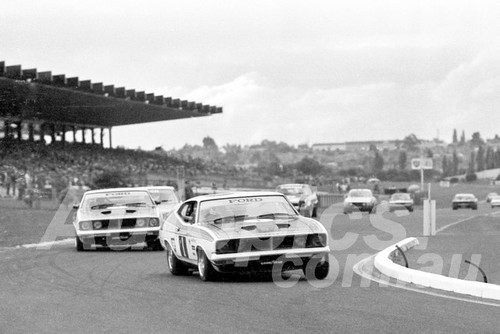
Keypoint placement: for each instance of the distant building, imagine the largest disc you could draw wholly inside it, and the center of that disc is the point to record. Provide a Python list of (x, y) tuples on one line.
[(353, 146)]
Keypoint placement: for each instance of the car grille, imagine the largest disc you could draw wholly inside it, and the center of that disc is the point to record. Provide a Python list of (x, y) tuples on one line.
[(116, 224), (270, 243)]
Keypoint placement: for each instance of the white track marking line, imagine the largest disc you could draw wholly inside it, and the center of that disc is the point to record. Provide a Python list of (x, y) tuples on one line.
[(466, 219), (358, 269)]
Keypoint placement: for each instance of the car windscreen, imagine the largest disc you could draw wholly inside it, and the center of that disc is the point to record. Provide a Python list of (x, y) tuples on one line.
[(400, 197), (464, 198), (291, 190), (103, 200), (163, 195), (242, 208), (360, 193)]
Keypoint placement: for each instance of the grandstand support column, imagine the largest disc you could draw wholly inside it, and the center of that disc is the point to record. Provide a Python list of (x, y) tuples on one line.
[(63, 138), (19, 131), (42, 132), (6, 127), (92, 134), (110, 138), (73, 128), (31, 132), (102, 137), (83, 135), (53, 132)]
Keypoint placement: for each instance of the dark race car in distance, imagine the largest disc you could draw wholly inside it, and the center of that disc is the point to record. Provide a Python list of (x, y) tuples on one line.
[(400, 201), (464, 201)]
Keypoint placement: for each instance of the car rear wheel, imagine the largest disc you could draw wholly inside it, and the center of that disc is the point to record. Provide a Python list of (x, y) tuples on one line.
[(175, 266), (205, 268)]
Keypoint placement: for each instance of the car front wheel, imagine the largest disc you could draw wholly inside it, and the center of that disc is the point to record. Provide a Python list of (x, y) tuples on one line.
[(205, 268), (175, 266)]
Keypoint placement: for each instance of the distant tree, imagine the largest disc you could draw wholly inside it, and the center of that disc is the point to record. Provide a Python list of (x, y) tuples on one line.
[(411, 142), (402, 160), (455, 137), (308, 166), (378, 162), (489, 160), (372, 148), (209, 144), (472, 168), (462, 138), (454, 163), (476, 139), (429, 153), (480, 159), (444, 166)]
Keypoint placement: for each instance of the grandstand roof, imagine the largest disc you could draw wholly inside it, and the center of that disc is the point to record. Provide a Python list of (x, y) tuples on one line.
[(29, 94)]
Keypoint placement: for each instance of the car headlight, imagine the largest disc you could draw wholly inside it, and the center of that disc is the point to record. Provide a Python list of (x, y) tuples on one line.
[(300, 241), (97, 225), (154, 222), (227, 246), (316, 240), (85, 226), (140, 222)]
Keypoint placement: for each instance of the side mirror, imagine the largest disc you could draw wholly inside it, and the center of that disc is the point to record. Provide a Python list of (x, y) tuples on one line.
[(76, 206), (157, 202)]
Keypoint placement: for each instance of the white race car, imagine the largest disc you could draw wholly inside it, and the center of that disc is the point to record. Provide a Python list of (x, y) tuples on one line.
[(360, 200), (117, 218), (243, 232), (165, 197), (301, 196)]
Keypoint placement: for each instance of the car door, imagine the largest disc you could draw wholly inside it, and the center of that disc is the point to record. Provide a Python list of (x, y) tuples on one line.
[(184, 241)]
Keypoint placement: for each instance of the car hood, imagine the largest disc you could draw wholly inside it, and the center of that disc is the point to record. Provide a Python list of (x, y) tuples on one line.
[(359, 199), (265, 227), (401, 201), (118, 212)]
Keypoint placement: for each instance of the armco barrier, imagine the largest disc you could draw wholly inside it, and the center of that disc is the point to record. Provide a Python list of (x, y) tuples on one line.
[(383, 262)]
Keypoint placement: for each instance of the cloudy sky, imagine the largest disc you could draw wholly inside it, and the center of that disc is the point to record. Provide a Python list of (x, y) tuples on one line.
[(302, 72)]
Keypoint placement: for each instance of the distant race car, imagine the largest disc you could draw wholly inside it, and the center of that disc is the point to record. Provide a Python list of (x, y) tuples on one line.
[(117, 218), (399, 201), (301, 196), (360, 200), (464, 201), (165, 197), (243, 232), (495, 201), (490, 196)]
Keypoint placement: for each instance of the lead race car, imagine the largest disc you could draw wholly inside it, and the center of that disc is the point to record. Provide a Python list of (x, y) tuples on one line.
[(117, 218), (243, 232)]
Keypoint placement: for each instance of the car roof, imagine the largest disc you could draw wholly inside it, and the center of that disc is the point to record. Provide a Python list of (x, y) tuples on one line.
[(107, 190), (235, 194), (292, 185), (159, 187), (465, 194)]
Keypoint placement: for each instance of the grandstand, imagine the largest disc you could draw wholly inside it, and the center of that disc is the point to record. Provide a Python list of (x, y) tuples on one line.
[(37, 112), (35, 105)]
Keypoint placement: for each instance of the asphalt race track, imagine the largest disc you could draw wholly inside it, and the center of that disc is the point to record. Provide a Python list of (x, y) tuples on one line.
[(61, 290)]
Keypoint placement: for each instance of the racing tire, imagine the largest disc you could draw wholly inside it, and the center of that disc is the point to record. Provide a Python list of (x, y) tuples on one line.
[(205, 268), (455, 208), (155, 245), (79, 245), (176, 266), (320, 272), (82, 246)]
